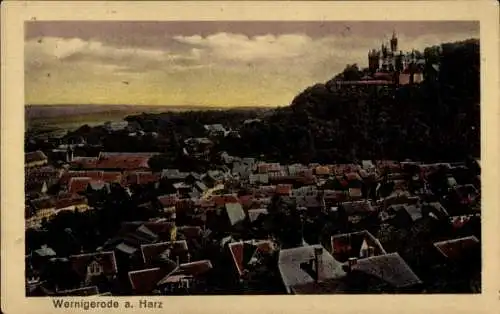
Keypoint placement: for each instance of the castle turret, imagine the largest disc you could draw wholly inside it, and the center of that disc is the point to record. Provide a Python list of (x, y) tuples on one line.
[(394, 42), (373, 60)]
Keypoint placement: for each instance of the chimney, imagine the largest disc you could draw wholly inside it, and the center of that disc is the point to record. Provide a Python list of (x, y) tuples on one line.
[(188, 257), (352, 261), (318, 264)]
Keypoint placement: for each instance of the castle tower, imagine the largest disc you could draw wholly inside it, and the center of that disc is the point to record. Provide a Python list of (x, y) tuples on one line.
[(373, 60), (394, 43)]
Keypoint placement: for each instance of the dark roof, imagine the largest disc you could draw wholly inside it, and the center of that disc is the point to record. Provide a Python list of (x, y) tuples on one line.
[(161, 228), (45, 251), (413, 211), (145, 280), (168, 200), (125, 248), (34, 156), (201, 186), (70, 201), (78, 184), (253, 214), (190, 232), (235, 213), (293, 273), (150, 252), (349, 245), (389, 267), (106, 259), (43, 203), (456, 249), (358, 207), (192, 269), (242, 252)]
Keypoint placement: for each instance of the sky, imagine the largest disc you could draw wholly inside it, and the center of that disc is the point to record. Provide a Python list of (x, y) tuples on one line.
[(205, 63)]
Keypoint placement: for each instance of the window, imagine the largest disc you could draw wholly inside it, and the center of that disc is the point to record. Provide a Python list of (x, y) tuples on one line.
[(94, 268)]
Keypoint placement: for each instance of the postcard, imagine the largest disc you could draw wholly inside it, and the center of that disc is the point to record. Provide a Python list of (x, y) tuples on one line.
[(225, 156)]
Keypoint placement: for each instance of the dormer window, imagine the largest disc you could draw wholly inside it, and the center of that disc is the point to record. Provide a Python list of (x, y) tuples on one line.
[(94, 269)]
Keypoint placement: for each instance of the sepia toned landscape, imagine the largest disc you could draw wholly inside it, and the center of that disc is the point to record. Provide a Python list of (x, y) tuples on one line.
[(252, 158)]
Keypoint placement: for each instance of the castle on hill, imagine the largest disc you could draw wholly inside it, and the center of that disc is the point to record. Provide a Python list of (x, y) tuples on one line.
[(389, 64)]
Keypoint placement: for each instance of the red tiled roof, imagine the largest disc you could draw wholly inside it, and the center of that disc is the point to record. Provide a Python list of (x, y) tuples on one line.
[(93, 174), (349, 245), (143, 177), (145, 280), (283, 189), (78, 184), (151, 251), (237, 250), (106, 259), (454, 249), (168, 200), (221, 200), (85, 162), (246, 200), (123, 162), (353, 176), (237, 253), (112, 177), (196, 268)]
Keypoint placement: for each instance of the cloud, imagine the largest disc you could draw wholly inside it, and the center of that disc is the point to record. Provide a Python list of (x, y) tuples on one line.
[(268, 68)]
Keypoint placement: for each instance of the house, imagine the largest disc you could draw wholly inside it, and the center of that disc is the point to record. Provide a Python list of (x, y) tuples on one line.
[(355, 194), (214, 177), (357, 210), (244, 253), (188, 278), (173, 175), (235, 213), (142, 177), (259, 178), (35, 159), (389, 166), (122, 161), (168, 200), (215, 129), (93, 267), (144, 281), (359, 244), (176, 251), (308, 269), (283, 189), (44, 208), (254, 214), (391, 269), (367, 165), (458, 249), (162, 230), (71, 203), (84, 163), (78, 185)]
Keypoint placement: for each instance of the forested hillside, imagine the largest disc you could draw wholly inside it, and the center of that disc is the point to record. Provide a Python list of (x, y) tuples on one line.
[(436, 120)]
